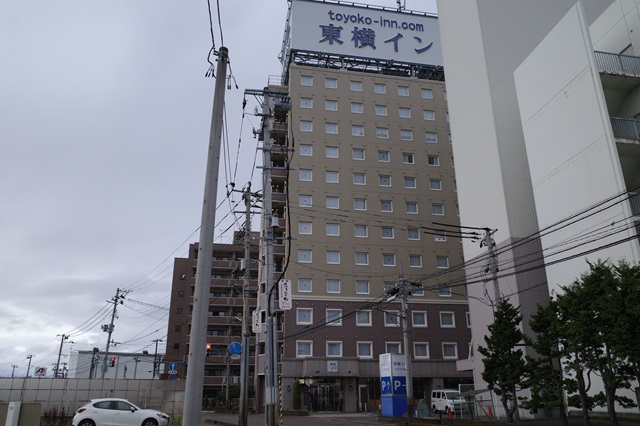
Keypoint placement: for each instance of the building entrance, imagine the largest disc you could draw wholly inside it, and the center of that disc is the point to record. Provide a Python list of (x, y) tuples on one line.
[(323, 397)]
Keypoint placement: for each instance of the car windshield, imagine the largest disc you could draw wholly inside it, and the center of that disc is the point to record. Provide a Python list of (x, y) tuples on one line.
[(453, 395)]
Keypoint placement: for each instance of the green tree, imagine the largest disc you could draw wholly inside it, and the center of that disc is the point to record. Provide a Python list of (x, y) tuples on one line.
[(504, 363)]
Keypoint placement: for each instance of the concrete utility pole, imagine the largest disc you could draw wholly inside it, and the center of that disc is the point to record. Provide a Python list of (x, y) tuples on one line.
[(492, 264), (404, 288), (246, 317), (62, 339), (192, 410), (29, 357), (13, 369), (156, 362), (109, 328)]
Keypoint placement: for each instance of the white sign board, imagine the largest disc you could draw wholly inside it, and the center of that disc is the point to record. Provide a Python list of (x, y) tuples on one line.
[(40, 372), (284, 295), (255, 323), (365, 32)]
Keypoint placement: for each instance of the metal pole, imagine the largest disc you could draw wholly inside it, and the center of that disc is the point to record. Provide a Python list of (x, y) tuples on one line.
[(493, 265), (195, 370), (29, 357), (156, 363), (113, 317), (13, 369), (244, 355), (62, 339), (406, 348)]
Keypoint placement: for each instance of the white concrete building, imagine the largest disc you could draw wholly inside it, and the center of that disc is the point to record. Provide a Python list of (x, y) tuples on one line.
[(88, 364)]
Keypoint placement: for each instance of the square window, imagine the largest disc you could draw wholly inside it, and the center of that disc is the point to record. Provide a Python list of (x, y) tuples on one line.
[(305, 201), (391, 319), (419, 318), (429, 115), (444, 290), (362, 287), (411, 207), (306, 175), (403, 91), (435, 184), (304, 349), (415, 261), (306, 103), (439, 235), (363, 318), (333, 286), (427, 93), (420, 350), (330, 105), (386, 206), (365, 349), (357, 154), (333, 229), (382, 133), (387, 232), (393, 348), (331, 128), (389, 285), (413, 234), (304, 285), (304, 316), (384, 180), (388, 259), (410, 182), (334, 316), (361, 231), (356, 86), (306, 150), (450, 350), (381, 110), (431, 137), (359, 204), (306, 80), (359, 179), (380, 88), (304, 256), (437, 209), (406, 135), (357, 107), (333, 257), (357, 130), (305, 228), (306, 126), (404, 112), (442, 262), (362, 258), (408, 158), (416, 289), (383, 156), (334, 349), (433, 160), (332, 176), (331, 152), (447, 320), (331, 83)]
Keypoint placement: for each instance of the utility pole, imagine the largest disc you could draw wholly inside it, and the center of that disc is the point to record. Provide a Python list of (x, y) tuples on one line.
[(135, 367), (156, 363), (192, 408), (62, 339), (13, 369), (492, 264), (29, 357), (109, 328), (404, 288), (244, 355)]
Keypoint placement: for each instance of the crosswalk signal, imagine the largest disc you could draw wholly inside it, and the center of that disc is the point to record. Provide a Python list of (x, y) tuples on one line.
[(113, 361), (208, 351)]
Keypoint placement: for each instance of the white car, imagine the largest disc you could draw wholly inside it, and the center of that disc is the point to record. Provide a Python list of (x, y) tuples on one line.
[(117, 412)]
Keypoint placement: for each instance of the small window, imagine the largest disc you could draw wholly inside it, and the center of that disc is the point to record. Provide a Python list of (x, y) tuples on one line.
[(306, 80), (356, 86), (180, 293), (411, 207), (382, 133), (363, 318), (427, 94), (333, 229), (304, 256), (413, 234), (305, 201), (304, 349), (179, 311), (331, 128), (419, 318), (306, 150), (357, 130), (386, 206), (334, 349), (306, 126), (362, 287), (305, 285), (305, 175), (447, 116), (444, 290), (381, 110), (387, 232), (435, 184), (359, 204), (305, 228), (330, 83), (416, 290), (333, 257), (410, 182), (380, 88), (403, 91), (304, 316), (408, 158), (404, 112), (429, 114), (391, 319), (444, 95), (331, 105), (431, 137), (388, 259), (384, 180), (357, 154), (439, 235), (183, 276), (306, 103), (415, 261), (365, 349), (406, 135), (361, 231), (331, 152), (362, 258), (332, 176), (447, 320), (333, 286), (450, 350), (357, 108), (437, 209), (433, 160), (393, 348), (383, 156), (442, 262), (421, 350), (359, 179)]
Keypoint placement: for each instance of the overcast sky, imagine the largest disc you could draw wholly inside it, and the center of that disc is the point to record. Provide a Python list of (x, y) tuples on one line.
[(105, 113)]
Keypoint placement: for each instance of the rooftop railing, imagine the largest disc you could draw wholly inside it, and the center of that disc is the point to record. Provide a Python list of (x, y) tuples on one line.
[(616, 63), (625, 128)]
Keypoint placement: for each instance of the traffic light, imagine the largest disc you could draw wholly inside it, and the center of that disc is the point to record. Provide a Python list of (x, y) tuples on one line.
[(208, 351), (113, 361)]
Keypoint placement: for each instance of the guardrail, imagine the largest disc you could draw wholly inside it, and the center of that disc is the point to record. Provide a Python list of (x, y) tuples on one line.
[(616, 63)]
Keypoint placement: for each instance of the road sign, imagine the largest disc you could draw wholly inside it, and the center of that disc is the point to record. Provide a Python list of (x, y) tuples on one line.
[(172, 377), (235, 348), (173, 368)]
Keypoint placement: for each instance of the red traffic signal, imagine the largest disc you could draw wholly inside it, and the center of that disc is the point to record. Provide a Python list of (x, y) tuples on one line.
[(113, 361), (208, 351)]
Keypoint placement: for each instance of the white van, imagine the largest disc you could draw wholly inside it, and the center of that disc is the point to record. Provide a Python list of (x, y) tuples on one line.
[(444, 399)]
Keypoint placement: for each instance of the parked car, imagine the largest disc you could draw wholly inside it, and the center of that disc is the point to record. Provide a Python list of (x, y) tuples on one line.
[(117, 412), (443, 400)]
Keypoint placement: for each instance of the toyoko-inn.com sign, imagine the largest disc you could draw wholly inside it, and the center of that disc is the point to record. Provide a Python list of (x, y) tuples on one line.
[(344, 29)]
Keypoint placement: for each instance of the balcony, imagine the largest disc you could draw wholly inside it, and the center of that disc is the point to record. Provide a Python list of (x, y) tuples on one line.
[(618, 73), (625, 128), (634, 202)]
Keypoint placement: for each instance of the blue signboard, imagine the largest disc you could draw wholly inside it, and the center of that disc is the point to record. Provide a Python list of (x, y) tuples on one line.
[(235, 348)]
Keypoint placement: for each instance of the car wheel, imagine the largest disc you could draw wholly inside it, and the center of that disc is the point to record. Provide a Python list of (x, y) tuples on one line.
[(150, 422), (86, 423)]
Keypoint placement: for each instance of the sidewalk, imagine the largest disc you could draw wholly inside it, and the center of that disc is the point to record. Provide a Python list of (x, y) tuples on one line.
[(228, 419)]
